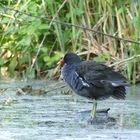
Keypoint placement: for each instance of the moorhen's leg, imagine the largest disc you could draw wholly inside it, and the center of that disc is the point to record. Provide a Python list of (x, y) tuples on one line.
[(93, 111)]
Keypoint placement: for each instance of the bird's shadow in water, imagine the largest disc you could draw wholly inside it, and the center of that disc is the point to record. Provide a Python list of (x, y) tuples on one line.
[(102, 117)]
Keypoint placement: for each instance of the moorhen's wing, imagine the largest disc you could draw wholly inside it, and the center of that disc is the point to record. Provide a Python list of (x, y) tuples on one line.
[(98, 74)]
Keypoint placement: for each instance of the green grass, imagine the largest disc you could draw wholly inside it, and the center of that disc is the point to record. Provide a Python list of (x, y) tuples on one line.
[(37, 44)]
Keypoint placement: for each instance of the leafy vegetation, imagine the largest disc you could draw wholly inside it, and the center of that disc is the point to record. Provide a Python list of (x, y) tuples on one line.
[(33, 45)]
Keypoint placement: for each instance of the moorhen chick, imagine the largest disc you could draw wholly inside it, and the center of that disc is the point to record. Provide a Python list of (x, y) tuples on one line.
[(92, 79)]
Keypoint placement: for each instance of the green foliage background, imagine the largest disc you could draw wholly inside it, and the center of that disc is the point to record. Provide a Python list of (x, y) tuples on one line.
[(34, 45)]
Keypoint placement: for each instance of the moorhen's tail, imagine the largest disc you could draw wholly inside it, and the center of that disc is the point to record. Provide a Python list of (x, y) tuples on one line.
[(119, 92)]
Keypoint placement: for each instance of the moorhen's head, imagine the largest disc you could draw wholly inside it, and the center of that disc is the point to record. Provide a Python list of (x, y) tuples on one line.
[(70, 58)]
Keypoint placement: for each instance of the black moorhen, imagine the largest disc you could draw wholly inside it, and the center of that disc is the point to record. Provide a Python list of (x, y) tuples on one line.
[(91, 79)]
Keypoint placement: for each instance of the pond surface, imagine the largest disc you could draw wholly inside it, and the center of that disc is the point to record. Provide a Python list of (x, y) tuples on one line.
[(59, 116)]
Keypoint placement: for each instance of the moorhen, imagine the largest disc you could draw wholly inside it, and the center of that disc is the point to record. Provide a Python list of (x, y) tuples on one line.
[(92, 79)]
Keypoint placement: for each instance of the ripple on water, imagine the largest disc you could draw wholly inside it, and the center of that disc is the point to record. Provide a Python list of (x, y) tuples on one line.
[(59, 116)]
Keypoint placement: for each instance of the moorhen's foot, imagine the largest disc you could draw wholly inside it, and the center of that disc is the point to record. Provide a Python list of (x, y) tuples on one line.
[(102, 117), (98, 111), (101, 114)]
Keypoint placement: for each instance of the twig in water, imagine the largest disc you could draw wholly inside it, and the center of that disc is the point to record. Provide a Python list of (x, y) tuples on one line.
[(56, 88)]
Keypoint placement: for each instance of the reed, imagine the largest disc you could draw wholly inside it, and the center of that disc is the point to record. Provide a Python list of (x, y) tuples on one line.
[(23, 34)]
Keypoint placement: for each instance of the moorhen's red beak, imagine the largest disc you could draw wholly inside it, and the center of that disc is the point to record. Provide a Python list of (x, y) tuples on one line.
[(61, 62)]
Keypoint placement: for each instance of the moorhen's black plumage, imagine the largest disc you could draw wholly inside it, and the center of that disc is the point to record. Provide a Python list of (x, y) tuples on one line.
[(91, 79)]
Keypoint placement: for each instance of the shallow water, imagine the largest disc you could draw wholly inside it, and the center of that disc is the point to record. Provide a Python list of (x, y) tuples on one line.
[(56, 116)]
